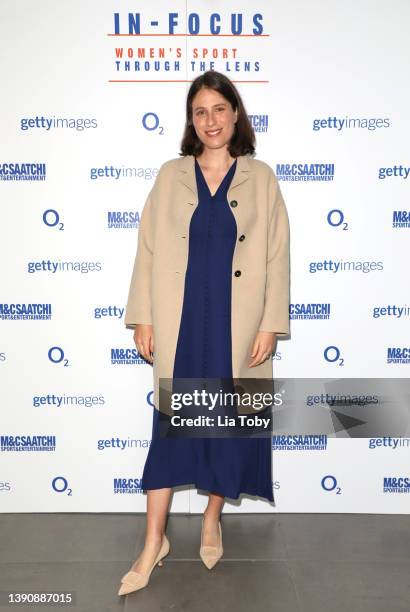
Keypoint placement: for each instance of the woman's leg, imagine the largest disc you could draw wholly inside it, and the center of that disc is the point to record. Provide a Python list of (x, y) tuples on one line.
[(157, 510), (211, 518)]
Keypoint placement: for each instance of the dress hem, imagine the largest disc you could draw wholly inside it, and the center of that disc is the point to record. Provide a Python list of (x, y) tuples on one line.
[(208, 488)]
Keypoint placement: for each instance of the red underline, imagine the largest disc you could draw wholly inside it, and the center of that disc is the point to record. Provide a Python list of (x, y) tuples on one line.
[(196, 35), (171, 81)]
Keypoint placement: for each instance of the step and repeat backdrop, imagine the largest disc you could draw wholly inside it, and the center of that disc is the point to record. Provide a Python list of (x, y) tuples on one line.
[(93, 102)]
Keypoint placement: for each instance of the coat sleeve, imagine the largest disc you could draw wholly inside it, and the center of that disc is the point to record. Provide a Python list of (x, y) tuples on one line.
[(276, 308), (138, 309)]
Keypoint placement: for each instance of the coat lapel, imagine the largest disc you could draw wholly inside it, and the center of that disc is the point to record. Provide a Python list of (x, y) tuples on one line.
[(186, 174)]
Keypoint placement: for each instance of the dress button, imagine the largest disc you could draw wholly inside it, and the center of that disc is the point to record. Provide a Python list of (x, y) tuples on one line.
[(233, 203), (242, 237), (237, 273)]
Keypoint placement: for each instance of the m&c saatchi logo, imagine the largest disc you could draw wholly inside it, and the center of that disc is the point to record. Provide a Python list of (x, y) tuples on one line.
[(401, 219), (309, 311), (396, 484), (24, 171), (123, 219), (20, 311), (398, 355), (259, 123), (129, 486), (126, 356), (300, 443), (305, 172), (32, 443)]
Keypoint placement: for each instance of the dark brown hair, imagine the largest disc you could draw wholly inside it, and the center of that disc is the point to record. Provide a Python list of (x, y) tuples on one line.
[(243, 138)]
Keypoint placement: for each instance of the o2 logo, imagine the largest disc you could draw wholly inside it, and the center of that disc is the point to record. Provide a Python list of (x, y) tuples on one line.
[(56, 355), (51, 218), (332, 354), (60, 485), (329, 484), (336, 218), (150, 396), (150, 122)]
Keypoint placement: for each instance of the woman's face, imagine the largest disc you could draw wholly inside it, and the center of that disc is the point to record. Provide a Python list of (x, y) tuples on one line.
[(213, 118)]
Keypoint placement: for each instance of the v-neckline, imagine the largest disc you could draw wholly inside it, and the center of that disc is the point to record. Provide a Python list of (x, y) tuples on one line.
[(220, 184)]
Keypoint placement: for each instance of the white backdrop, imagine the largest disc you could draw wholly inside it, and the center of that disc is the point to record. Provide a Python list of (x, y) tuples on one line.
[(67, 104)]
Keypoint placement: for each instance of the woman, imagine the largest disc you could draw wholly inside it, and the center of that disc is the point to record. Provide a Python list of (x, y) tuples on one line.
[(210, 291)]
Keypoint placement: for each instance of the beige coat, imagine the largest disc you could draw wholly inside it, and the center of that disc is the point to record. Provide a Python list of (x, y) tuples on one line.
[(260, 294)]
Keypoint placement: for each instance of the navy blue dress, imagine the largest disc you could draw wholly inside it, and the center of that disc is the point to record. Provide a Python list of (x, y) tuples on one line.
[(226, 466)]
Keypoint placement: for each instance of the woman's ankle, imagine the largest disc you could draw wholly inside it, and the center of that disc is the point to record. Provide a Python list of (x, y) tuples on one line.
[(213, 517), (154, 539)]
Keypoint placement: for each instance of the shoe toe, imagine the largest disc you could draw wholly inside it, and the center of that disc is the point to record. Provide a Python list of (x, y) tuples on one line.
[(132, 577), (210, 555), (210, 562), (125, 588)]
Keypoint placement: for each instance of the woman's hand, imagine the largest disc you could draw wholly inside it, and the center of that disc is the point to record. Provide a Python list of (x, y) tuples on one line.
[(262, 348), (144, 340)]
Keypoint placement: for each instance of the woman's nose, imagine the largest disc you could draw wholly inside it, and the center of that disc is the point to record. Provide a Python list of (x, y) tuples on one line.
[(210, 121)]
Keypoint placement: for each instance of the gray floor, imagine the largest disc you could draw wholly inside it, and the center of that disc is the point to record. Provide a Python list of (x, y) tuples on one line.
[(282, 562)]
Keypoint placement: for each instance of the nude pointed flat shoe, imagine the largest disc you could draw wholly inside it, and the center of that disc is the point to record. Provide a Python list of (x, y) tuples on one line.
[(210, 555), (133, 581)]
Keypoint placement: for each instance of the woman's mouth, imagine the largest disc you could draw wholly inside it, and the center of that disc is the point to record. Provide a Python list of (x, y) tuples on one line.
[(214, 132)]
